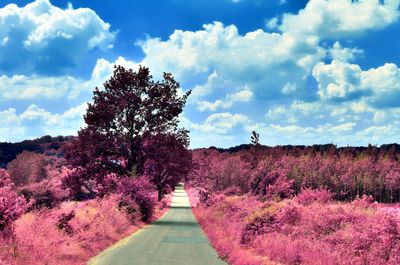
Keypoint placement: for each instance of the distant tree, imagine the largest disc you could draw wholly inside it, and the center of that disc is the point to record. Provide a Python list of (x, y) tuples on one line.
[(131, 105), (27, 168), (255, 138), (255, 149)]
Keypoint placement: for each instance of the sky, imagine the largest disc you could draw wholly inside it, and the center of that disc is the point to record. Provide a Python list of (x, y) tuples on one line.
[(297, 72)]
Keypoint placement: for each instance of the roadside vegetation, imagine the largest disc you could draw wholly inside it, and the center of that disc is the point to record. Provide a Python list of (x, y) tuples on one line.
[(299, 205)]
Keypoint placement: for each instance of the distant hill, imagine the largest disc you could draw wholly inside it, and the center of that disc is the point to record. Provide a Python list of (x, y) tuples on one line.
[(45, 144)]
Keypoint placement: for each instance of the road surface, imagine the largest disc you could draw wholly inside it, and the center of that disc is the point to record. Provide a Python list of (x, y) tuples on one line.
[(175, 239)]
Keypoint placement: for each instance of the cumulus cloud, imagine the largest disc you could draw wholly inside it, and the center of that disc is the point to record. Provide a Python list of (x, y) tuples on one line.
[(244, 95), (221, 129), (340, 18), (341, 81), (338, 81), (264, 61), (36, 121), (22, 87), (340, 53), (274, 64), (40, 38), (217, 123)]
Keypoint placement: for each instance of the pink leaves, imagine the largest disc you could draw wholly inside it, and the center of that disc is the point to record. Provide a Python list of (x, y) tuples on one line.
[(12, 206), (309, 196), (165, 160), (277, 205), (137, 197), (291, 233)]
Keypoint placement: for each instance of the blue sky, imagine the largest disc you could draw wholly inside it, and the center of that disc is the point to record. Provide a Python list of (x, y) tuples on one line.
[(297, 72)]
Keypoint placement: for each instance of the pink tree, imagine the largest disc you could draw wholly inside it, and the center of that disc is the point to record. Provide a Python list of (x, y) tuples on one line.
[(165, 160), (27, 168), (12, 206), (130, 106)]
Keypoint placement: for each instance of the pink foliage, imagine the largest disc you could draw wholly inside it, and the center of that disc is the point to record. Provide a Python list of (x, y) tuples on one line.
[(288, 232), (308, 196), (137, 197), (276, 173), (28, 168), (12, 206), (70, 233)]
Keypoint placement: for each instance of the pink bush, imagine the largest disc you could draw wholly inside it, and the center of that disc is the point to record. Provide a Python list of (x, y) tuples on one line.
[(12, 206), (280, 172), (137, 197), (365, 201), (58, 237), (308, 196), (246, 231)]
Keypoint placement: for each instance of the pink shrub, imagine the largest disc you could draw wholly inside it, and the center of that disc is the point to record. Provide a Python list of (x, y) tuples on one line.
[(244, 230), (137, 197), (365, 201), (308, 196), (12, 206), (70, 233)]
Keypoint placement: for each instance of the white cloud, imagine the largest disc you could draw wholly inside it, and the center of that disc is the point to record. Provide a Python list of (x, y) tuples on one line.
[(104, 69), (345, 127), (276, 112), (21, 87), (340, 18), (244, 95), (44, 39), (36, 121), (231, 60), (339, 53), (272, 23), (218, 129), (346, 82), (289, 88), (217, 123), (338, 80)]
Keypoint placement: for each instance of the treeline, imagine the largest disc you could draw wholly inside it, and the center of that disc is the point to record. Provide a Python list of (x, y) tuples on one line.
[(45, 144), (284, 171), (385, 149)]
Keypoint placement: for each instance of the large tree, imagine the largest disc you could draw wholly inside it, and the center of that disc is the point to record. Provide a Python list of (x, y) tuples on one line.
[(130, 107)]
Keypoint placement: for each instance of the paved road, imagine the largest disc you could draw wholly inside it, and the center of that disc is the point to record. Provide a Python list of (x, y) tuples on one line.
[(175, 239)]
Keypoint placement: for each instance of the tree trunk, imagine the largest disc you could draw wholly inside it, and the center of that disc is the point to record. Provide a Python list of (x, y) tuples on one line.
[(132, 160), (159, 194)]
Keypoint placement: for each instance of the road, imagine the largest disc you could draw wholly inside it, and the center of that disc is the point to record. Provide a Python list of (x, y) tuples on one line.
[(175, 239)]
